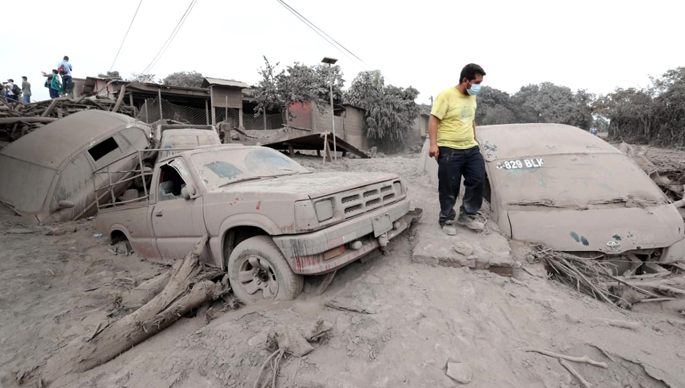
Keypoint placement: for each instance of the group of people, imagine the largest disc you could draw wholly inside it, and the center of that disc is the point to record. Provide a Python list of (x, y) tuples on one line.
[(12, 90), (58, 82)]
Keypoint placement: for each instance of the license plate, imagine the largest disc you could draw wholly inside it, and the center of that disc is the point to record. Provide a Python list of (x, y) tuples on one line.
[(381, 224)]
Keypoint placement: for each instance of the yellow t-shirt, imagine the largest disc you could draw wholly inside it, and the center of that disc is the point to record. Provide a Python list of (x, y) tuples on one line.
[(456, 113)]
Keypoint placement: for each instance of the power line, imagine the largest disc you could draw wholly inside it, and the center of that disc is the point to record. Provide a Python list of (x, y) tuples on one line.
[(328, 36), (322, 34), (170, 38), (124, 40)]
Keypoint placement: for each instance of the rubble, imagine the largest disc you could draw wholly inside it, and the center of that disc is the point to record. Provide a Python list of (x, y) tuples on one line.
[(16, 119), (460, 372)]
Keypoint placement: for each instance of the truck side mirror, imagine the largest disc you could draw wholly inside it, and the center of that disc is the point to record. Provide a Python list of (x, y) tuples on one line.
[(188, 191), (65, 205)]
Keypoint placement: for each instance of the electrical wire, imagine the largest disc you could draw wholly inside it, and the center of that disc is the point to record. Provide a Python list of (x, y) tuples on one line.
[(317, 28), (322, 34), (172, 38), (166, 44), (124, 40)]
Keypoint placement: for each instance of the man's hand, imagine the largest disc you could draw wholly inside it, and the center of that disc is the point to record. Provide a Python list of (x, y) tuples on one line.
[(434, 151)]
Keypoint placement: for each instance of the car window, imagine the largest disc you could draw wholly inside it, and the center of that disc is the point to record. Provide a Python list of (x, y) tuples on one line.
[(76, 174), (108, 150), (171, 180)]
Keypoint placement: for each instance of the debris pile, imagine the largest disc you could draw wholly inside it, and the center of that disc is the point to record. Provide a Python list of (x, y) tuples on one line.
[(665, 167), (597, 276), (16, 119)]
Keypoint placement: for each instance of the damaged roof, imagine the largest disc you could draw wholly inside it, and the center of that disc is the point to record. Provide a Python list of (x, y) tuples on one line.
[(50, 145), (223, 82), (511, 141)]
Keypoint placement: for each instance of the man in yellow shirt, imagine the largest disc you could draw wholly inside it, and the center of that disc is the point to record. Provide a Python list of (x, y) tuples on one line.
[(453, 143)]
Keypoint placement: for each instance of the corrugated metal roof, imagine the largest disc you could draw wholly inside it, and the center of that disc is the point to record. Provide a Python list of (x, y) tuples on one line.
[(50, 145), (224, 82), (511, 141)]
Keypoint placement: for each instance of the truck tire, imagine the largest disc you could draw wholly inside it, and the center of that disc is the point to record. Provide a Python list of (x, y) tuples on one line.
[(258, 271)]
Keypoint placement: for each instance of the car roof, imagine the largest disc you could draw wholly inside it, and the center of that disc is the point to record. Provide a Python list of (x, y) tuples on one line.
[(52, 144), (512, 141)]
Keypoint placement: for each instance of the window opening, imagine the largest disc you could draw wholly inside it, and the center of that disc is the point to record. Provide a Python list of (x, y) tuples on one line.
[(170, 183), (103, 148)]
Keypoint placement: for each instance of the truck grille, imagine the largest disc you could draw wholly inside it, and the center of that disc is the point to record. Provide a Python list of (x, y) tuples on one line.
[(359, 201)]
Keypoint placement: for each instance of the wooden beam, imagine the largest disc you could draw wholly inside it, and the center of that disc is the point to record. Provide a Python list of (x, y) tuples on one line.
[(122, 92)]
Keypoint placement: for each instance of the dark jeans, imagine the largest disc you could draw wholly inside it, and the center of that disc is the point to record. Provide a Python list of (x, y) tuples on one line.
[(452, 165), (54, 93), (67, 85)]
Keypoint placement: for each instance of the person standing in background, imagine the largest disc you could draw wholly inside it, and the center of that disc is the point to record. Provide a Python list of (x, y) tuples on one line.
[(64, 69), (53, 83), (25, 90)]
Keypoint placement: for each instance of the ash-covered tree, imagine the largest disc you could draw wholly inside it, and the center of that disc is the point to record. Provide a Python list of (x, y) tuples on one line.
[(143, 78), (186, 79), (494, 107), (299, 83), (550, 103), (390, 111), (110, 75)]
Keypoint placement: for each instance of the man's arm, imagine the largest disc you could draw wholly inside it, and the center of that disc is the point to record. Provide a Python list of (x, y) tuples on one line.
[(433, 123)]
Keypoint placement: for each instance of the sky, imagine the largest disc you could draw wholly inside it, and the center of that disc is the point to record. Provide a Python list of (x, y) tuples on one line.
[(594, 45)]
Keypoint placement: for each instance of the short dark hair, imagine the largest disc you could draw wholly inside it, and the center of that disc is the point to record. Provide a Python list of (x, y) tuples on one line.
[(54, 71), (66, 58), (470, 71), (24, 78)]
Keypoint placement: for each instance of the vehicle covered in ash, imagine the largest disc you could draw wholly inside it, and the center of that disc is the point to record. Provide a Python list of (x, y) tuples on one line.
[(269, 220), (560, 186), (183, 136), (47, 175)]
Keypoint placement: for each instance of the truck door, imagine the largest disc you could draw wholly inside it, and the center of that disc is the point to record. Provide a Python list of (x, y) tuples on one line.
[(178, 223)]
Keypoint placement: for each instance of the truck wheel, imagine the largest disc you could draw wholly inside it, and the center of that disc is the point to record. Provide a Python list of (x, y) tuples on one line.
[(258, 271)]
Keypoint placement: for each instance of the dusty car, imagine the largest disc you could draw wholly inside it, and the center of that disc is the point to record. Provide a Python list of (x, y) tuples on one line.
[(47, 175), (270, 221), (183, 136), (561, 186)]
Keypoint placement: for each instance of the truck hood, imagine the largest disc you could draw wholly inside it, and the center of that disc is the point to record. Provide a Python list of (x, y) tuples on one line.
[(309, 185), (591, 230)]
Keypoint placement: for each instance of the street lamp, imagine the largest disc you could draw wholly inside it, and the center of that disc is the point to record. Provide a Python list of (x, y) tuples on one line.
[(331, 62)]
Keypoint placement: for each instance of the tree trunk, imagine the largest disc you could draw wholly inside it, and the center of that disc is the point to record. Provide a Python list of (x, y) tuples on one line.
[(189, 287)]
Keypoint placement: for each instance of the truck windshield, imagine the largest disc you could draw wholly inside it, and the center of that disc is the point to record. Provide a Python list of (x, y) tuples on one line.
[(218, 168)]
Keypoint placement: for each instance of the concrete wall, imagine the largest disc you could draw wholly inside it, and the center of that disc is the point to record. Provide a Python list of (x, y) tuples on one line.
[(300, 115), (321, 121), (354, 124)]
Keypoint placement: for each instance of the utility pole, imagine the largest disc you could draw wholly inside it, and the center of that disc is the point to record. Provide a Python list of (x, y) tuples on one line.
[(330, 62)]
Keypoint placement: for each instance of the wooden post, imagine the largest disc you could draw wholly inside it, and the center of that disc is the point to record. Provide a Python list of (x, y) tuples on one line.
[(291, 150), (325, 146), (226, 108), (207, 111), (240, 119), (120, 99), (211, 98), (264, 116), (159, 98), (130, 100)]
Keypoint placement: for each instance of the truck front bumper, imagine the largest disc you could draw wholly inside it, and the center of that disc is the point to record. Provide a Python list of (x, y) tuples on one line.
[(336, 246)]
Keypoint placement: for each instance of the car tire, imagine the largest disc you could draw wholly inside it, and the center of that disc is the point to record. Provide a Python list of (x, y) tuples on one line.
[(258, 272)]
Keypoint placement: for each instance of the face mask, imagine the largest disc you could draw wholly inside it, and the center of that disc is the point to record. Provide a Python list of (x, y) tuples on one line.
[(475, 88)]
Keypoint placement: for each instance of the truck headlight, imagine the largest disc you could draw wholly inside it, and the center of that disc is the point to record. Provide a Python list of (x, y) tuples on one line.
[(324, 210), (305, 216)]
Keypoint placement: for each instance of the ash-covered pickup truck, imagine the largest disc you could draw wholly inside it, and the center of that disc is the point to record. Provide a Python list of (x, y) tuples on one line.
[(270, 221)]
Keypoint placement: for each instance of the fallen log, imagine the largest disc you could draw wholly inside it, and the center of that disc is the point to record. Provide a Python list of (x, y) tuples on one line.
[(188, 288), (145, 292), (12, 120)]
